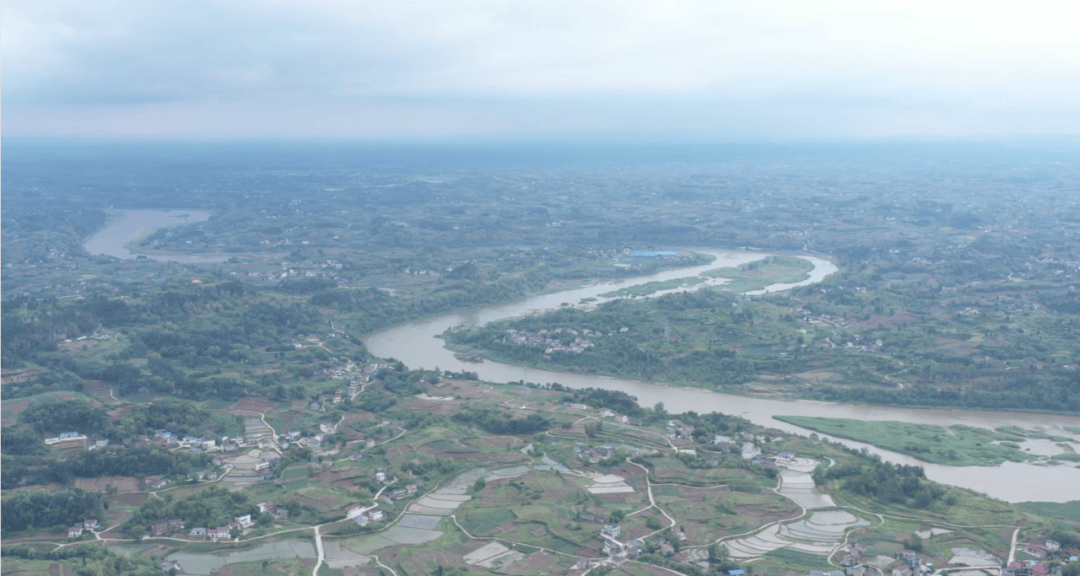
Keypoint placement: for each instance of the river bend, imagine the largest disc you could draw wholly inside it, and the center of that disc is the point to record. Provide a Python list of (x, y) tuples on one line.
[(416, 344)]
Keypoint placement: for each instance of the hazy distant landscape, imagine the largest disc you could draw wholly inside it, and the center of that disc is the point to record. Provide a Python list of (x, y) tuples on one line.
[(193, 331)]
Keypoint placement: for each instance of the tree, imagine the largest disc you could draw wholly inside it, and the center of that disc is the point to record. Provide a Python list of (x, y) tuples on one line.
[(592, 427), (479, 485), (717, 554)]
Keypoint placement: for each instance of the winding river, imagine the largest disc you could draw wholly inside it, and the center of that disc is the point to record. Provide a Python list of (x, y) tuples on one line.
[(416, 344)]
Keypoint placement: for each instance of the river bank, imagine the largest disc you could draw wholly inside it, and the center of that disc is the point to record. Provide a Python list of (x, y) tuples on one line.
[(417, 345)]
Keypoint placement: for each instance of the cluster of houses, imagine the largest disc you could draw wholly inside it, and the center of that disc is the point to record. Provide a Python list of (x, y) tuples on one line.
[(912, 565), (66, 437), (76, 531), (619, 552), (679, 431), (234, 528), (1045, 554), (854, 554), (309, 441), (364, 516), (402, 493), (346, 371), (408, 491), (167, 526), (551, 340), (74, 439), (589, 517), (195, 444), (594, 454)]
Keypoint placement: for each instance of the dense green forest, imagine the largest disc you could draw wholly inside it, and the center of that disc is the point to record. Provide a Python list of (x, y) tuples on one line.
[(21, 470), (897, 483), (46, 509), (500, 422)]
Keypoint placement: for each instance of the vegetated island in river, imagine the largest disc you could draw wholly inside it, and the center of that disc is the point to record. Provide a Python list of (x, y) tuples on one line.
[(686, 343), (956, 446)]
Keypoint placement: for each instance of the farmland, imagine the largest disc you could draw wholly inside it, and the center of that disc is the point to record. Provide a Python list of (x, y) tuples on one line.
[(528, 504)]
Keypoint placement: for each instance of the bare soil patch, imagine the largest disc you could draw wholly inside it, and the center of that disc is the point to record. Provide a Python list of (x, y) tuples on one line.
[(397, 451), (121, 483), (761, 517), (95, 388), (120, 411), (37, 487), (338, 475), (448, 559), (531, 563), (253, 404), (619, 498), (322, 506), (130, 499), (13, 410), (440, 408), (19, 376)]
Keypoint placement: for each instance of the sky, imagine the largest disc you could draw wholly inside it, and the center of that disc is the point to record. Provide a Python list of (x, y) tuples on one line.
[(717, 70)]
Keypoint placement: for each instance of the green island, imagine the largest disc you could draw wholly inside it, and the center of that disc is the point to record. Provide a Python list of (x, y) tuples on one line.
[(652, 287), (957, 445), (833, 341), (757, 275)]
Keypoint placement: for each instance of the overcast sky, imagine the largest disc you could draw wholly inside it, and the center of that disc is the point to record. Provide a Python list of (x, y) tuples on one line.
[(393, 69)]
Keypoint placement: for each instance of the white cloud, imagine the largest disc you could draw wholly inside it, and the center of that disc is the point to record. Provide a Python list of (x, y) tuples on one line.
[(876, 57)]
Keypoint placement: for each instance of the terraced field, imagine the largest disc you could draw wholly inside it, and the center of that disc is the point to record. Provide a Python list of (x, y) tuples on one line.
[(820, 531)]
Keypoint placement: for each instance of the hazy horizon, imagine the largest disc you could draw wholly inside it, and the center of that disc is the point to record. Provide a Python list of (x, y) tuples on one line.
[(535, 70)]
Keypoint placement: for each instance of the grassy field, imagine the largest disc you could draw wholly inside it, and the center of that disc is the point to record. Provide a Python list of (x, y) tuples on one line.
[(797, 560), (970, 510), (955, 446), (758, 275), (1064, 510), (745, 278), (23, 567), (651, 287)]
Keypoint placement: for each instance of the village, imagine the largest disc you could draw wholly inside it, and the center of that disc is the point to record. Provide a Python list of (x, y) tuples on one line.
[(616, 491)]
